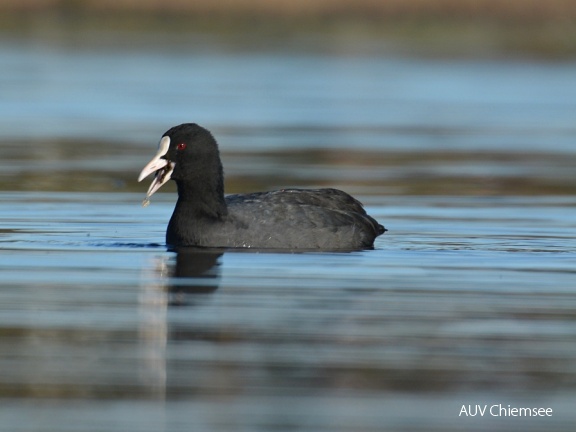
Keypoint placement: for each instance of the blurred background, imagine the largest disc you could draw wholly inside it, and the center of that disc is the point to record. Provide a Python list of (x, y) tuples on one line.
[(394, 97), (452, 120)]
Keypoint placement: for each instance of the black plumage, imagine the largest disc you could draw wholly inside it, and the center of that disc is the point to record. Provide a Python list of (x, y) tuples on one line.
[(310, 219)]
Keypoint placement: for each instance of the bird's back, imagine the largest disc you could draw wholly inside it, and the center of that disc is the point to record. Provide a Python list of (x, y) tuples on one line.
[(326, 219)]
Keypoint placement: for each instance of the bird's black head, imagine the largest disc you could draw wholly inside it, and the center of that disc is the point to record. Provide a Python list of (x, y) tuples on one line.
[(193, 150), (188, 154)]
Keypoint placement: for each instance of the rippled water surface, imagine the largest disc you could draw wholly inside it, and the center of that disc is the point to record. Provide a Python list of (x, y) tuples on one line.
[(468, 299), (464, 301)]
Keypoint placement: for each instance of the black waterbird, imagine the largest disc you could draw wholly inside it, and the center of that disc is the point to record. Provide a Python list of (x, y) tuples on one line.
[(304, 219)]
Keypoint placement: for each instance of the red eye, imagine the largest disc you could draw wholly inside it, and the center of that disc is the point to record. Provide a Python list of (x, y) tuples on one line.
[(181, 146)]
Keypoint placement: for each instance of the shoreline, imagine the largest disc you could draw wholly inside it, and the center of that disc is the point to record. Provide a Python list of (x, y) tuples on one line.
[(505, 11), (488, 28)]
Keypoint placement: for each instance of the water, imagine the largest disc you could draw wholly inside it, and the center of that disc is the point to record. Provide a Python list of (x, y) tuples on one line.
[(468, 299), (462, 302)]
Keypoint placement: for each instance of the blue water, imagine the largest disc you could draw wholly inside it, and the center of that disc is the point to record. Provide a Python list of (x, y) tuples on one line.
[(468, 299), (53, 90), (464, 301)]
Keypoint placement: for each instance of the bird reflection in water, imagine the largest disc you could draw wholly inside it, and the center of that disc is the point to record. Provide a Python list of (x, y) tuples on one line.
[(195, 272), (170, 282)]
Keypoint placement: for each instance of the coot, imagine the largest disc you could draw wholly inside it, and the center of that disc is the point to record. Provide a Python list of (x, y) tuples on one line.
[(319, 219)]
